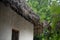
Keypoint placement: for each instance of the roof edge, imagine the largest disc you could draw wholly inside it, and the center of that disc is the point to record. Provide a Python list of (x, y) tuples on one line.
[(22, 9)]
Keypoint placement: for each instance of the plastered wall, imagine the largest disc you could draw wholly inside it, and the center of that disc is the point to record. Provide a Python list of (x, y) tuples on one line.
[(10, 20)]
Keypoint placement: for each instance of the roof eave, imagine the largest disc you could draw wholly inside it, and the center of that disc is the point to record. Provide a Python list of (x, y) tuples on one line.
[(22, 9)]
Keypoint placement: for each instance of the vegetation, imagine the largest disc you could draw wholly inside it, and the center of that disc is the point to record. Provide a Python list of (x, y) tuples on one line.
[(49, 12)]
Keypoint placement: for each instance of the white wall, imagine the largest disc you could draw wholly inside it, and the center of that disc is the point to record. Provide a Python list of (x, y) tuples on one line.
[(8, 20)]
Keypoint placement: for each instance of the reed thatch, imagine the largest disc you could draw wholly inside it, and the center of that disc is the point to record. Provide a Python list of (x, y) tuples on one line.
[(21, 8)]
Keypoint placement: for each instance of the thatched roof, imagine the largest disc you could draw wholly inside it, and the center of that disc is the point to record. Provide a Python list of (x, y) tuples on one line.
[(22, 9)]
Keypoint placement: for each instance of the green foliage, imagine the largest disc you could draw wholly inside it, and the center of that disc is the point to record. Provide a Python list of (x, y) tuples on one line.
[(41, 8), (47, 10), (53, 35), (55, 9)]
